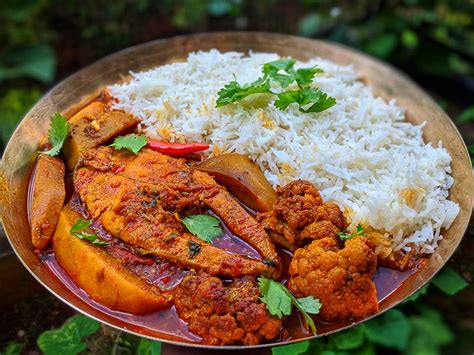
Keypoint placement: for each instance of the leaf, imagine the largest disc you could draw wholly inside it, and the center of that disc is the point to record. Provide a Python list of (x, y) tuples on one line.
[(233, 91), (131, 142), (203, 226), (314, 98), (13, 349), (392, 330), (293, 349), (68, 338), (466, 116), (309, 304), (429, 332), (76, 230), (57, 133), (275, 297), (279, 300), (360, 231), (148, 347), (449, 281), (349, 339), (36, 62), (282, 71)]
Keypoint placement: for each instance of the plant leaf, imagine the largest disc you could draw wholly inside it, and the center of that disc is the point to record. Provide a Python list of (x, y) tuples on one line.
[(349, 339), (233, 91), (391, 329), (293, 349), (68, 338), (57, 133), (466, 116), (449, 281), (131, 142), (203, 226), (309, 304)]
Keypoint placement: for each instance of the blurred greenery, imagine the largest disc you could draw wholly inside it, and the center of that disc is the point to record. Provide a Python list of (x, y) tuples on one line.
[(43, 41)]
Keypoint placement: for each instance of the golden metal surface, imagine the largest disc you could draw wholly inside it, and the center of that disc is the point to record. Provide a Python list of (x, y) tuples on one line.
[(384, 80)]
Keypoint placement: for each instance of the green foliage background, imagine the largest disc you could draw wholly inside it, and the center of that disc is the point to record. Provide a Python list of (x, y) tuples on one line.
[(43, 41)]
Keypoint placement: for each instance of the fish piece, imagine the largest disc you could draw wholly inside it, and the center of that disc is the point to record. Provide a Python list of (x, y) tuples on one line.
[(49, 192)]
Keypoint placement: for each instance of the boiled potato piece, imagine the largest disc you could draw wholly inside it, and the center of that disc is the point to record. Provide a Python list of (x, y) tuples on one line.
[(243, 178), (47, 200), (104, 278), (95, 124)]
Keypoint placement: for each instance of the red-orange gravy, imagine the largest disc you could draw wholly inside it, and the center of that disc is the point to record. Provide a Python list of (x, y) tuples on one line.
[(166, 276)]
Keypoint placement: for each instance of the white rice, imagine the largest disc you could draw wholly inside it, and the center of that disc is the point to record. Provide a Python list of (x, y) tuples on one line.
[(360, 153)]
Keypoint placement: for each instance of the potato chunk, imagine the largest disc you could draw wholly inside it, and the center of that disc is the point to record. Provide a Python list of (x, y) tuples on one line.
[(48, 198), (104, 278), (243, 178), (95, 124)]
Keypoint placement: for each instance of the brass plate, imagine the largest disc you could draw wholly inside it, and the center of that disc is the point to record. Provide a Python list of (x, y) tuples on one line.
[(384, 80)]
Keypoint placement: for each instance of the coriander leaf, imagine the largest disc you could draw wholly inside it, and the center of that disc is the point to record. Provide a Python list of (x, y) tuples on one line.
[(279, 300), (275, 297), (304, 76), (233, 91), (57, 133), (203, 226), (194, 249), (308, 99), (273, 69), (132, 142), (360, 231), (309, 304), (449, 281), (76, 230)]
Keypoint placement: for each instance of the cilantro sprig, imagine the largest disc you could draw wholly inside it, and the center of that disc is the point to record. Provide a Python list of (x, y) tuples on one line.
[(57, 133), (281, 72), (280, 301), (77, 231), (131, 142), (203, 226), (360, 231)]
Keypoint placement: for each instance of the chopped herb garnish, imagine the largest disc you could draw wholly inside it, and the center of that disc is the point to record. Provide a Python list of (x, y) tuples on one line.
[(194, 249), (131, 142), (281, 72), (280, 301), (203, 226), (360, 231), (57, 133), (77, 231)]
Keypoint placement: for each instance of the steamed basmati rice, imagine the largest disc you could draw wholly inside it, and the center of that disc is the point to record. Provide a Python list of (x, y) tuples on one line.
[(360, 153)]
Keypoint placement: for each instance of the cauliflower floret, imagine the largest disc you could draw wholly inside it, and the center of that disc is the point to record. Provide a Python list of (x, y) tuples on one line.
[(340, 278), (299, 214), (225, 314)]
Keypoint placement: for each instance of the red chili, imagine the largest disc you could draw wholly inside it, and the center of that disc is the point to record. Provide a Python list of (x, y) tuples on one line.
[(176, 149)]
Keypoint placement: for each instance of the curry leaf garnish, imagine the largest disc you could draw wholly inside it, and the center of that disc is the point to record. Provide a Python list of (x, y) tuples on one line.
[(194, 249), (77, 231), (281, 72), (360, 231), (132, 142), (203, 226), (279, 301), (57, 133)]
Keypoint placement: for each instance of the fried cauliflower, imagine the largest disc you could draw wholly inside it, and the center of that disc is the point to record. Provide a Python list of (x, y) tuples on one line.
[(340, 278)]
